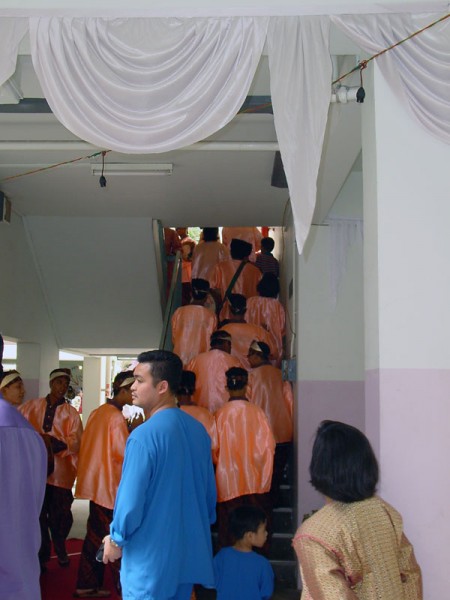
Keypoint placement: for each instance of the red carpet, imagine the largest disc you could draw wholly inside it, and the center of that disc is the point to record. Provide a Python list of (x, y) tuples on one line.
[(59, 583)]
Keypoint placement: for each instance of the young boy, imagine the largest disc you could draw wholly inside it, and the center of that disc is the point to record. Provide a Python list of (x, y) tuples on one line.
[(240, 573), (265, 261)]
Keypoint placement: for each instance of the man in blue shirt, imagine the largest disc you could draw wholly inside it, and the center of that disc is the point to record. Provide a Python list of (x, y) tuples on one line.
[(167, 495)]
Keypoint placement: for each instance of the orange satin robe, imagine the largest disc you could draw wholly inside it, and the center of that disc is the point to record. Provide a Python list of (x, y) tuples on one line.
[(246, 448), (357, 551), (67, 427), (205, 257), (101, 456), (270, 314), (192, 326), (246, 282), (242, 335), (267, 390), (207, 420), (252, 235), (210, 384)]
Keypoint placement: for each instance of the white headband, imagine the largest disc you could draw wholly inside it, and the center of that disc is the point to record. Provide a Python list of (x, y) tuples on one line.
[(9, 379), (56, 374), (126, 382)]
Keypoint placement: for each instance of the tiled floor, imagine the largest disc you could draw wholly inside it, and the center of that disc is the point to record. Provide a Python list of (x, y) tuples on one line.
[(80, 509)]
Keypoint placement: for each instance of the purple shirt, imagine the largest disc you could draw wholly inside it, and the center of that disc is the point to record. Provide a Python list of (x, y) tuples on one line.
[(23, 474)]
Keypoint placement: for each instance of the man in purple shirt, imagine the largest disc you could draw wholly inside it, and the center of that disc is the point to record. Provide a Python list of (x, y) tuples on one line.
[(23, 474)]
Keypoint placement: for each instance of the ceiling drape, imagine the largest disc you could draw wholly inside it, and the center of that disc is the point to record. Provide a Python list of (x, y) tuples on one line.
[(157, 84), (146, 85), (418, 71), (300, 86)]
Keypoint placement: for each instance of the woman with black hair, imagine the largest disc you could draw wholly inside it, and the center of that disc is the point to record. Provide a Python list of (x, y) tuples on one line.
[(353, 548)]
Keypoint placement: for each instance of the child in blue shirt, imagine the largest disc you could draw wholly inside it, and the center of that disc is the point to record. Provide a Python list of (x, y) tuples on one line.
[(240, 573)]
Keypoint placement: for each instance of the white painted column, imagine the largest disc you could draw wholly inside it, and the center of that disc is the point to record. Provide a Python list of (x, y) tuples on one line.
[(29, 365), (407, 304), (92, 385), (35, 361)]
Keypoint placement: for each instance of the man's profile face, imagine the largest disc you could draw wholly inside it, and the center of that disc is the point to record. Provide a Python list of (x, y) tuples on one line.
[(14, 392), (144, 391), (59, 386)]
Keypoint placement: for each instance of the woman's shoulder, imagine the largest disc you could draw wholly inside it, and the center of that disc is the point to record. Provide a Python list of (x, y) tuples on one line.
[(336, 517)]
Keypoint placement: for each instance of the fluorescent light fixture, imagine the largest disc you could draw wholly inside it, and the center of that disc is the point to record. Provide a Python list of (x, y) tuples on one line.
[(132, 169)]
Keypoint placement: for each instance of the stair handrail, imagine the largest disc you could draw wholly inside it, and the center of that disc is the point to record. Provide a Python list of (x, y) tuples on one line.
[(171, 304)]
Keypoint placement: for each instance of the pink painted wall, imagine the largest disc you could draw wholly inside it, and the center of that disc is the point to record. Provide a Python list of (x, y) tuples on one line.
[(316, 401), (414, 434)]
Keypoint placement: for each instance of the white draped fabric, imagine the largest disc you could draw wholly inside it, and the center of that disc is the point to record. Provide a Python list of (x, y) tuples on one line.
[(12, 30), (344, 233), (418, 70), (146, 85), (155, 85), (300, 76)]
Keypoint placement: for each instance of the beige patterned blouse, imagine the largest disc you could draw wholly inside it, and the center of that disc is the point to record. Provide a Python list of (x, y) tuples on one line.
[(357, 551)]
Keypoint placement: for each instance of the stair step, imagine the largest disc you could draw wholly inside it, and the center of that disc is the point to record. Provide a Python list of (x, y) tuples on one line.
[(286, 573), (286, 496), (281, 547), (283, 520)]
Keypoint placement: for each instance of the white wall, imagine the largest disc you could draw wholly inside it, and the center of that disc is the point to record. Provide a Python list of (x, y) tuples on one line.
[(407, 290), (23, 311), (99, 275), (330, 350)]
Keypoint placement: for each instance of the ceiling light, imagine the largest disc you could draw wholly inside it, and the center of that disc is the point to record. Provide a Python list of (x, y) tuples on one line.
[(112, 169)]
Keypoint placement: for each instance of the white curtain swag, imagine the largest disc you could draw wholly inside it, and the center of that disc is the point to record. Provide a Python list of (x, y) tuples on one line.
[(146, 85)]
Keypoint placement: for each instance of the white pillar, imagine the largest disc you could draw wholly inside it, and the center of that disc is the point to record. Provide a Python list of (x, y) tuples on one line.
[(407, 303), (35, 361), (29, 365), (92, 385)]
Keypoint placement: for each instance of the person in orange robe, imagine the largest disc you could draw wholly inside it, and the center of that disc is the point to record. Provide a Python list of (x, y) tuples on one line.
[(267, 390), (247, 281), (193, 325), (184, 397), (243, 333), (60, 426), (245, 458), (207, 254), (187, 248), (267, 311), (172, 245), (99, 471), (210, 368), (252, 235)]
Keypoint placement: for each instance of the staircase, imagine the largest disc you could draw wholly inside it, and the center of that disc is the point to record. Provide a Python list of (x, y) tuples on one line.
[(282, 556)]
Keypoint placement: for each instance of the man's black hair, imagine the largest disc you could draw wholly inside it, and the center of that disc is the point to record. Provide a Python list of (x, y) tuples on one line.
[(218, 338), (210, 234), (237, 378), (268, 286), (164, 366), (343, 464), (245, 519), (187, 383), (238, 304), (268, 244), (200, 288)]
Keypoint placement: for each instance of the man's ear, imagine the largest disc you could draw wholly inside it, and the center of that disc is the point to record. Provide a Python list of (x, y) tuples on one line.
[(163, 386)]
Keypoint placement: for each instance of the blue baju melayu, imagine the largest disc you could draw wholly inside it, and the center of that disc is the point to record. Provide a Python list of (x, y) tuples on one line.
[(164, 507)]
